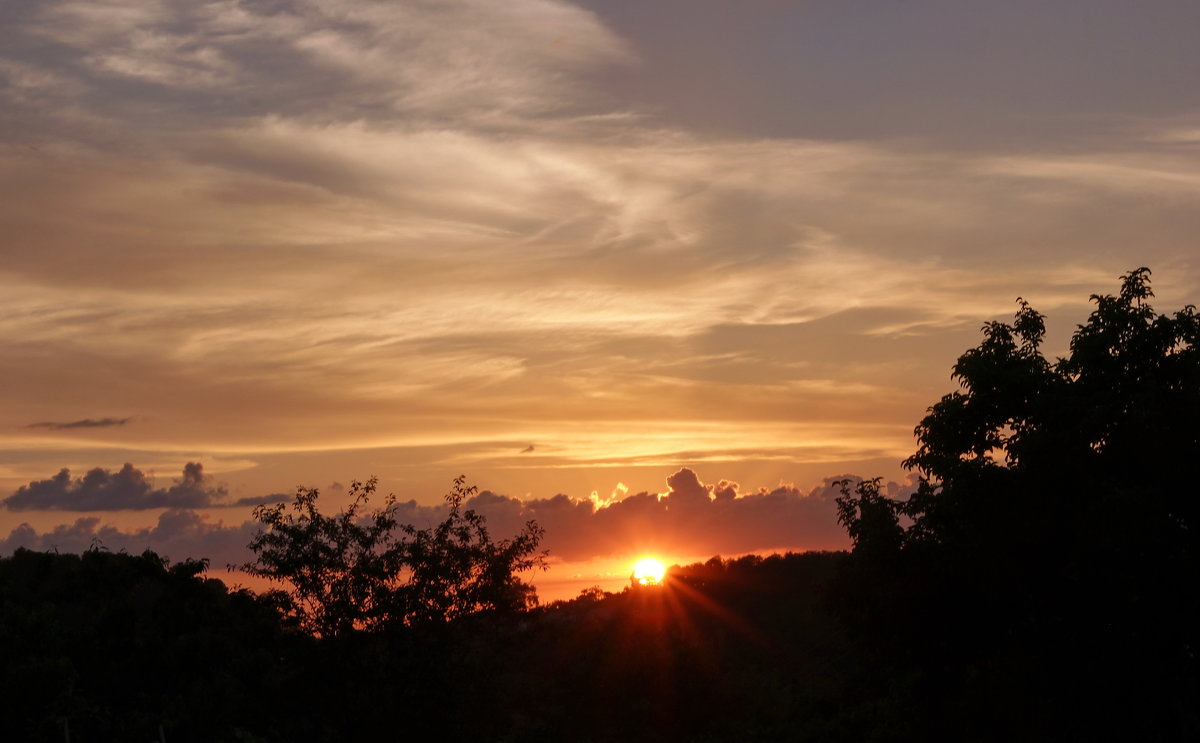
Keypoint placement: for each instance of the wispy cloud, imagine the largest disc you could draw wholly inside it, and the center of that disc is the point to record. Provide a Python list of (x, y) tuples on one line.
[(461, 60), (85, 423), (271, 226)]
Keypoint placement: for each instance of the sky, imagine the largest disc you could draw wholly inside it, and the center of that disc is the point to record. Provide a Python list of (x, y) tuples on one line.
[(655, 274)]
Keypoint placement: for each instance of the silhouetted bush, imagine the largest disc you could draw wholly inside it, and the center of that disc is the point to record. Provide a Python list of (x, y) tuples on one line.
[(362, 570)]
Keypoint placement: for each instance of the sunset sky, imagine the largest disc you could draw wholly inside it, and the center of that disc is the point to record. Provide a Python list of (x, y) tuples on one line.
[(568, 249)]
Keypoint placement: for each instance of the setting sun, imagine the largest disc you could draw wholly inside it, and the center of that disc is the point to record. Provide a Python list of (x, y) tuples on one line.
[(648, 571)]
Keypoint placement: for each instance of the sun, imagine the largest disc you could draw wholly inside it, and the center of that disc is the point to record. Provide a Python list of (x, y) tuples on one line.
[(648, 572)]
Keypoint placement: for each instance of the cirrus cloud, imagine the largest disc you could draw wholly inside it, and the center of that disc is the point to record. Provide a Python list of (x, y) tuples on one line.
[(355, 224)]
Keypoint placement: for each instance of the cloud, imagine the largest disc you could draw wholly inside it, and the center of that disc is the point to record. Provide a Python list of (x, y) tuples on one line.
[(178, 534), (470, 240), (85, 423), (690, 518), (263, 500), (127, 488), (454, 60)]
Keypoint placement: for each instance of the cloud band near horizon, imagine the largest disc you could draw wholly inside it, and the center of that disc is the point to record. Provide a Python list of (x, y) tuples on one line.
[(690, 518)]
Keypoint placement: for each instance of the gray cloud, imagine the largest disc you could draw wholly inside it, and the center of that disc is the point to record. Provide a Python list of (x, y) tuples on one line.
[(262, 500), (127, 488), (690, 518), (178, 534), (457, 60), (85, 423)]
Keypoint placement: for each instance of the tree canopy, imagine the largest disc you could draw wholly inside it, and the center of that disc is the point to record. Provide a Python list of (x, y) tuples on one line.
[(111, 646), (1032, 449), (361, 569), (1055, 517)]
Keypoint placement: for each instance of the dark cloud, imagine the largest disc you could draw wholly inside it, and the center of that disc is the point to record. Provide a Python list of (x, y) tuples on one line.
[(690, 518), (263, 500), (527, 450), (85, 423), (127, 488), (179, 534)]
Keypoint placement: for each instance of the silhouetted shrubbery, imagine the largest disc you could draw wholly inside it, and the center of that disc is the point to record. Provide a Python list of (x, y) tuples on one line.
[(114, 645)]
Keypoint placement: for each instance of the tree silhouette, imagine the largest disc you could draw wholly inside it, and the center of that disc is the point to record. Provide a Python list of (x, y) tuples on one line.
[(341, 571), (870, 517), (362, 570), (457, 569), (113, 646), (1035, 450), (1054, 525)]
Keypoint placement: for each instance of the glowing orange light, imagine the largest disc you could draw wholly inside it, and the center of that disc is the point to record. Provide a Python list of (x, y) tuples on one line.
[(648, 571)]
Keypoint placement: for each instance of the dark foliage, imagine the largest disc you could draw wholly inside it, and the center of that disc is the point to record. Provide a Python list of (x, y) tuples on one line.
[(111, 646), (117, 646), (1045, 578), (340, 572), (455, 569), (362, 570)]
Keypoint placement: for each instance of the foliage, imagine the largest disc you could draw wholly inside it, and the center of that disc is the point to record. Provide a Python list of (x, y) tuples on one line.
[(342, 571), (1054, 451), (111, 646), (1030, 449), (457, 569), (870, 517), (1054, 526), (743, 649), (361, 569)]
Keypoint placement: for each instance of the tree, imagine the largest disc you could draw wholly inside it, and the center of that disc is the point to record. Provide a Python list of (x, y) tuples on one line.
[(456, 568), (111, 646), (870, 517), (341, 571), (1039, 451), (362, 570), (1053, 536)]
